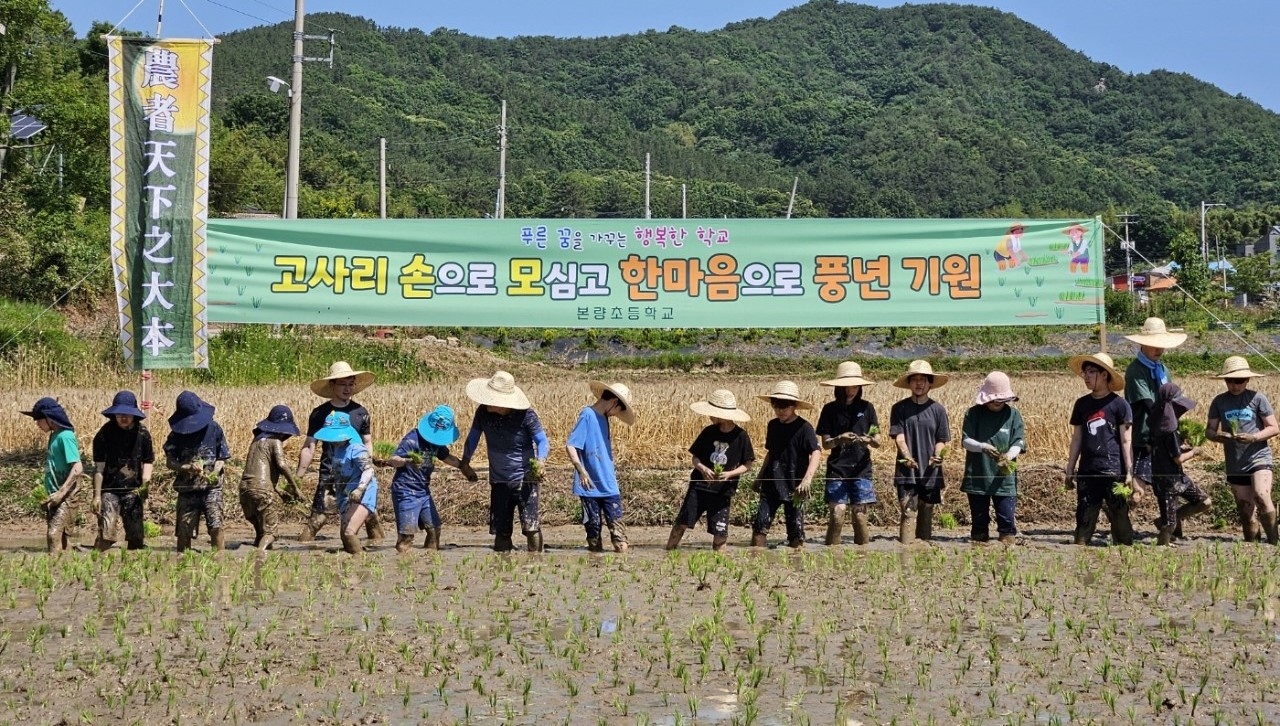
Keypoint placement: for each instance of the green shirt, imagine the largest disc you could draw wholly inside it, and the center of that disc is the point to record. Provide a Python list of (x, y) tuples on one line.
[(1002, 429), (64, 453), (1140, 392)]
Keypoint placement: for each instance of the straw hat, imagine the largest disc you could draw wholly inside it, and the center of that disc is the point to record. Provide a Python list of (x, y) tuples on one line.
[(499, 390), (921, 367), (323, 387), (721, 404), (1103, 361), (788, 391), (995, 387), (848, 373), (1154, 334), (1237, 367), (622, 393)]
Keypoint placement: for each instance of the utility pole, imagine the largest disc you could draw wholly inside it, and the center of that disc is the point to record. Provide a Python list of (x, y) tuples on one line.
[(795, 184), (684, 201), (160, 20), (1127, 246), (382, 177), (647, 211), (1204, 241), (500, 208), (295, 103)]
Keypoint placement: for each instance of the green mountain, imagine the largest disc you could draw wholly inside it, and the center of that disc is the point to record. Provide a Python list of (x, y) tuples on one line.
[(920, 110)]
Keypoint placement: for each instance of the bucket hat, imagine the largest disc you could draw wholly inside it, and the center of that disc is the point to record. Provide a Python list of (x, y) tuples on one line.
[(623, 394), (1154, 334), (500, 389), (787, 391), (1237, 366), (323, 386), (337, 428), (438, 427), (124, 403), (848, 373), (49, 409), (1103, 361), (190, 414), (279, 421), (995, 387), (921, 367), (721, 404)]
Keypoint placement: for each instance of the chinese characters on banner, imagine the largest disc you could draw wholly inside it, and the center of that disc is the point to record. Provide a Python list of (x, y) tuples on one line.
[(651, 273), (159, 118)]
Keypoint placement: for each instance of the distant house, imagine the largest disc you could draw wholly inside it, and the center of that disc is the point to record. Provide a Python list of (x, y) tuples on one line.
[(1266, 244)]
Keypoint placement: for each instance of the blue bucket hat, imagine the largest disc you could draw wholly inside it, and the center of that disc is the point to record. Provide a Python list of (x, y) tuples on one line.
[(279, 421), (49, 409), (190, 414), (124, 403), (338, 429), (438, 427)]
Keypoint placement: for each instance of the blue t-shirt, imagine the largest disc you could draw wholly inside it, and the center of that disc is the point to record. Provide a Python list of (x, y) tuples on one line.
[(347, 464), (208, 444), (513, 439), (410, 479), (64, 453), (590, 436)]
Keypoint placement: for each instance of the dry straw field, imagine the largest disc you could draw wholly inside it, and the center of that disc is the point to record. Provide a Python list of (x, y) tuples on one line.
[(651, 455)]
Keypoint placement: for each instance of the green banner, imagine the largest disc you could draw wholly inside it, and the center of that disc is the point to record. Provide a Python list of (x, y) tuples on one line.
[(159, 106), (732, 273)]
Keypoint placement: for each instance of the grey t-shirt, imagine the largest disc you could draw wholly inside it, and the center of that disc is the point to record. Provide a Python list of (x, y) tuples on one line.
[(1249, 411), (925, 425)]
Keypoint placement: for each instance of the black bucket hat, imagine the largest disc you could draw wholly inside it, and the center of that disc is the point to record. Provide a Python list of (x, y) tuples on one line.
[(49, 409), (190, 414), (124, 403), (279, 421)]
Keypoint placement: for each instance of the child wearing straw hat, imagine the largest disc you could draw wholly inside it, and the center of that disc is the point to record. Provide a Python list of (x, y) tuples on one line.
[(792, 455), (1242, 420), (264, 464), (1143, 379), (123, 459), (337, 386), (62, 470), (994, 437), (920, 430), (1100, 455), (721, 454), (595, 480), (351, 465), (196, 450), (518, 449), (848, 427), (414, 462)]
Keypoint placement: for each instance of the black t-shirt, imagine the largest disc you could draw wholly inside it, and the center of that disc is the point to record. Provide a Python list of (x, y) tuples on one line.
[(848, 461), (359, 421), (789, 446), (122, 452), (728, 450), (1100, 420), (1166, 449)]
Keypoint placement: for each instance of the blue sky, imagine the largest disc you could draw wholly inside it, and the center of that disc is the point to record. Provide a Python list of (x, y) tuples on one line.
[(1230, 43)]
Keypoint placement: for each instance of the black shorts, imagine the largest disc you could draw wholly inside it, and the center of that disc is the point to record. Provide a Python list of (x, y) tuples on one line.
[(714, 504), (1245, 479), (924, 495)]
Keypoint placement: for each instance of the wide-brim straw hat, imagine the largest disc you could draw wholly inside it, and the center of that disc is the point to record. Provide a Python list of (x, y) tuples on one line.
[(923, 368), (721, 404), (323, 387), (623, 394), (1154, 334), (498, 390), (1103, 361), (995, 387), (787, 391), (848, 373), (1237, 366)]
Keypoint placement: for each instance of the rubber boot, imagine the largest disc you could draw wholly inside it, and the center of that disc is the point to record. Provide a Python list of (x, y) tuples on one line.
[(351, 544), (834, 525), (759, 540), (534, 541), (1086, 528), (907, 528), (373, 528), (502, 543), (593, 545), (1121, 525), (1267, 520), (924, 523), (403, 543), (432, 540), (218, 537), (861, 528), (311, 528)]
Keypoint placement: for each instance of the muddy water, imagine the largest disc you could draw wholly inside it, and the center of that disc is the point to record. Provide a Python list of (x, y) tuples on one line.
[(1038, 634)]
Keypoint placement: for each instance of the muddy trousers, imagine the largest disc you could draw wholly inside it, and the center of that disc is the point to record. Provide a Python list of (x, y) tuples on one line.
[(1094, 496)]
